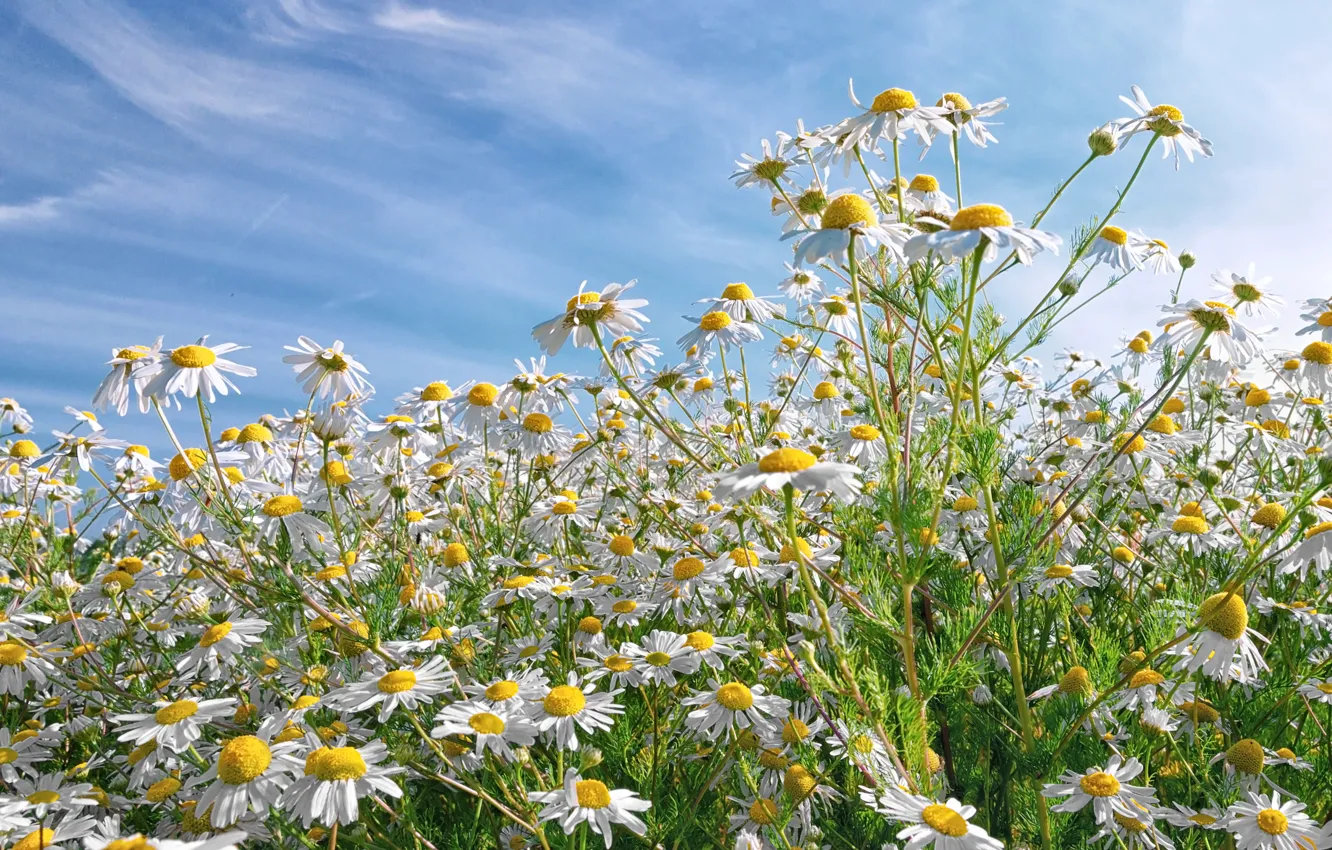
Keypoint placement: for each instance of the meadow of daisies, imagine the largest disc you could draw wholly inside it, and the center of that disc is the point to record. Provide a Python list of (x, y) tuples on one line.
[(843, 566)]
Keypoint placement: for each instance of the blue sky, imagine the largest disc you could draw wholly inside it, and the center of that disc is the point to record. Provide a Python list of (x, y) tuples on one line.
[(426, 182)]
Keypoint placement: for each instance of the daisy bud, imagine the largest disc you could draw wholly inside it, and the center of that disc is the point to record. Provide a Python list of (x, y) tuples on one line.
[(591, 758), (1068, 287), (1104, 140), (1187, 260)]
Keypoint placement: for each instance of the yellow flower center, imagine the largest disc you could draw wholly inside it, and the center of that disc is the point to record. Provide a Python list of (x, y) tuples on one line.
[(183, 465), (658, 659), (1099, 784), (1246, 756), (1058, 571), (436, 391), (39, 798), (176, 712), (36, 840), (334, 764), (592, 794), (847, 211), (1138, 345), (1200, 712), (893, 100), (1272, 821), (981, 215), (924, 183), (1075, 681), (505, 689), (589, 626), (243, 759), (714, 321), (618, 664), (956, 101), (625, 606), (193, 357), (1318, 352), (515, 582), (687, 568), (700, 641), (763, 812), (485, 723), (254, 433), (564, 701), (735, 696), (1114, 235), (788, 555), (280, 506), (121, 579), (786, 460), (867, 433), (1269, 515), (1130, 444), (621, 546), (1226, 614), (415, 516), (537, 423), (825, 390), (396, 681), (799, 782), (794, 730), (737, 292), (162, 789), (1190, 525), (1166, 116), (564, 508), (944, 820), (482, 395), (213, 634), (1144, 678)]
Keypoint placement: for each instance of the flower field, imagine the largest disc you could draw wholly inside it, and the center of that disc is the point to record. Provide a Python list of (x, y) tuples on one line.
[(843, 566)]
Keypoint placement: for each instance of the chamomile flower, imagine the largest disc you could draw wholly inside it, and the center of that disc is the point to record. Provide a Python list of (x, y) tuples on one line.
[(196, 369), (945, 825), (590, 801), (1185, 324), (408, 688), (174, 725), (567, 708), (334, 780), (987, 225), (1266, 823), (327, 371), (740, 303), (801, 285), (890, 116), (1107, 790), (1164, 121), (1113, 247), (1224, 646), (249, 774), (1057, 578), (792, 466), (663, 656), (588, 315), (847, 218), (221, 645), (1251, 292), (491, 726), (734, 706), (717, 327)]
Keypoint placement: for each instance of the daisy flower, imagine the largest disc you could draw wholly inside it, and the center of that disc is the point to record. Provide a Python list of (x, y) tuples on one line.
[(1224, 640), (334, 780), (330, 371), (795, 467), (1107, 790), (174, 725), (891, 115), (1230, 341), (220, 645), (1112, 247), (1050, 581), (740, 303), (588, 314), (967, 118), (196, 369), (1167, 122), (287, 511), (663, 656), (719, 327), (566, 708), (926, 196), (493, 727), (21, 664), (590, 801), (1261, 823), (127, 370), (989, 225), (769, 172), (734, 706), (407, 687), (249, 773), (847, 217), (945, 825), (801, 285)]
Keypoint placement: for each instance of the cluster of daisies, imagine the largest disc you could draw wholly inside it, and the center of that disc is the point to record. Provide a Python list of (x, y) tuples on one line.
[(838, 560)]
